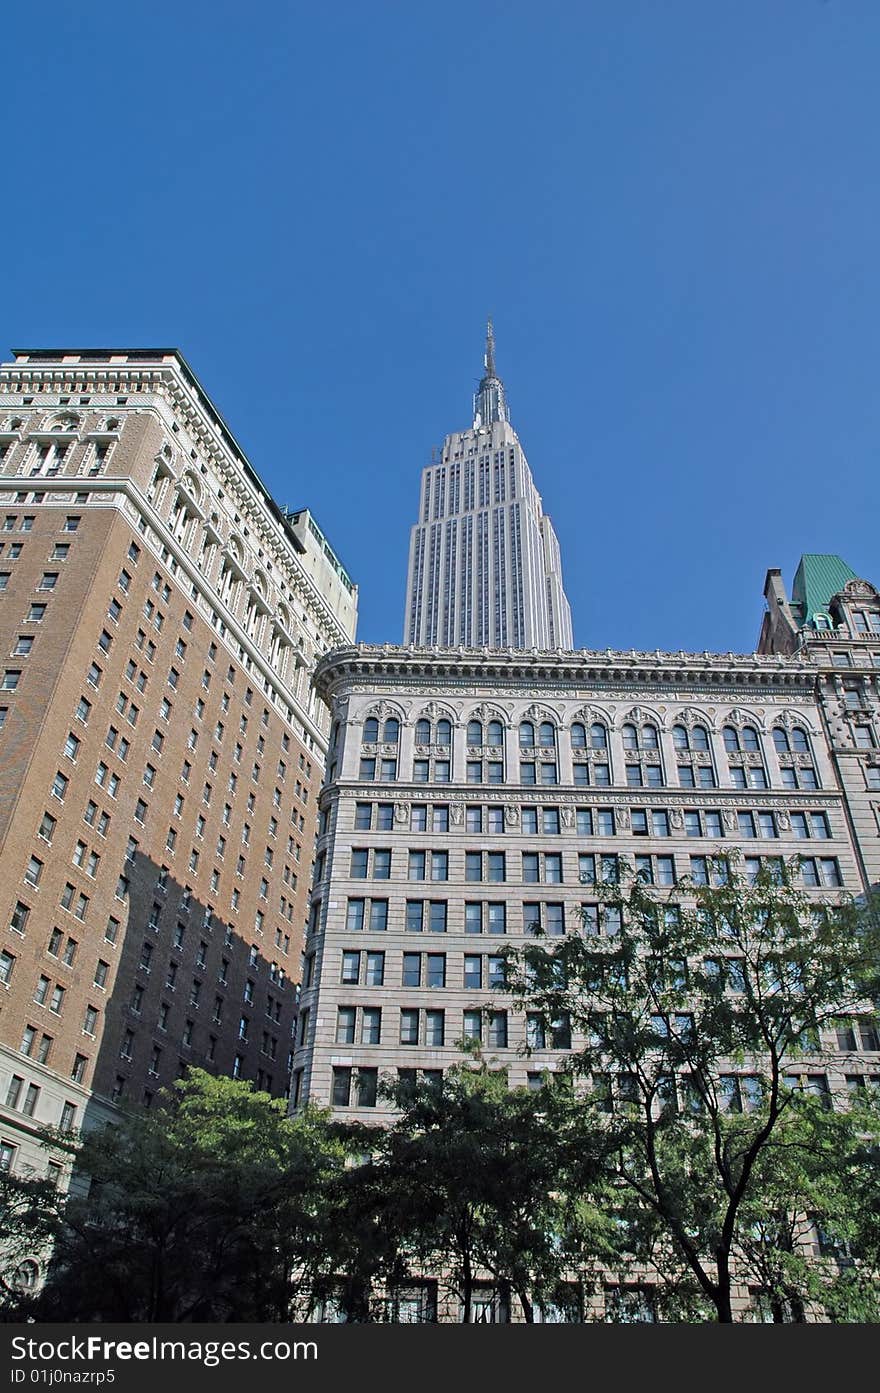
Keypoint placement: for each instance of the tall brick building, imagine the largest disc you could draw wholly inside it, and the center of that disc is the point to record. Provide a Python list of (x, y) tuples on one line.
[(160, 742)]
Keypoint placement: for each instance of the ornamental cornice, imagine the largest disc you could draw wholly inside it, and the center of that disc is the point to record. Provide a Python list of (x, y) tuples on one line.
[(432, 671), (240, 480)]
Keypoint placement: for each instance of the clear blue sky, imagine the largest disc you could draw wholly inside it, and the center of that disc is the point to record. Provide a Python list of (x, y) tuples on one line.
[(670, 208)]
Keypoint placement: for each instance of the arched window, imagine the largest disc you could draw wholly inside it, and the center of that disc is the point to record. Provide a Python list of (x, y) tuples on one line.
[(194, 488), (475, 733), (700, 738), (630, 737), (547, 734), (649, 738), (371, 730), (495, 733), (731, 740), (444, 732), (423, 732), (578, 736), (391, 733), (26, 1275), (750, 739), (780, 740), (799, 740), (598, 736), (680, 738), (527, 734)]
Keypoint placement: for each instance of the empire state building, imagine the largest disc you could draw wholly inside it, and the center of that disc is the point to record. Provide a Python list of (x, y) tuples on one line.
[(484, 563)]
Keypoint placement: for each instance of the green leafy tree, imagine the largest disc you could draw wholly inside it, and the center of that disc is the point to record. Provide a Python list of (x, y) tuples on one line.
[(206, 1207), (472, 1177), (801, 1239), (28, 1212), (697, 1020)]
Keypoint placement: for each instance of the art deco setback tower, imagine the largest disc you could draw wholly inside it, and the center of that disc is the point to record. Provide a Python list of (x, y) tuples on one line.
[(484, 565)]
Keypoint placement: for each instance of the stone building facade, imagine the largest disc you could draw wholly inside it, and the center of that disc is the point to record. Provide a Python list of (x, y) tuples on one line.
[(833, 622), (472, 796), (161, 745)]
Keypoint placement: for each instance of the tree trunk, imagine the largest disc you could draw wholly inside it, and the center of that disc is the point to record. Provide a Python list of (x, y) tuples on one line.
[(721, 1295), (467, 1290), (528, 1308)]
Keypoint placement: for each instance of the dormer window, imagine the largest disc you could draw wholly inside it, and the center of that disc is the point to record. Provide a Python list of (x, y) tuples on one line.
[(866, 621)]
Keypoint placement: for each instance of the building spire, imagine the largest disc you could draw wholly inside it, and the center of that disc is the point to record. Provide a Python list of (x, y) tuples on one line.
[(490, 350), (489, 402)]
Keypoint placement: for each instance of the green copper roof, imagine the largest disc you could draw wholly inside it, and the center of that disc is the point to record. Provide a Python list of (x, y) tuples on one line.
[(818, 578)]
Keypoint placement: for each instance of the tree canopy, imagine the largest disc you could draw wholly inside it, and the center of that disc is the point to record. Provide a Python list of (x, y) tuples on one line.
[(690, 1137), (699, 1046), (206, 1207)]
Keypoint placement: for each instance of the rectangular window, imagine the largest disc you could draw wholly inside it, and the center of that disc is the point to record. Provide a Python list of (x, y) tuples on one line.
[(366, 1087), (553, 868), (382, 864), (409, 1026), (341, 1095), (554, 921), (375, 969), (659, 823), (529, 820), (472, 1025), (439, 865), (473, 972), (435, 1028), (829, 870), (354, 919), (531, 918), (497, 918), (497, 1029), (31, 1098), (371, 1025), (345, 1025), (34, 870), (20, 917), (412, 970), (495, 866)]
